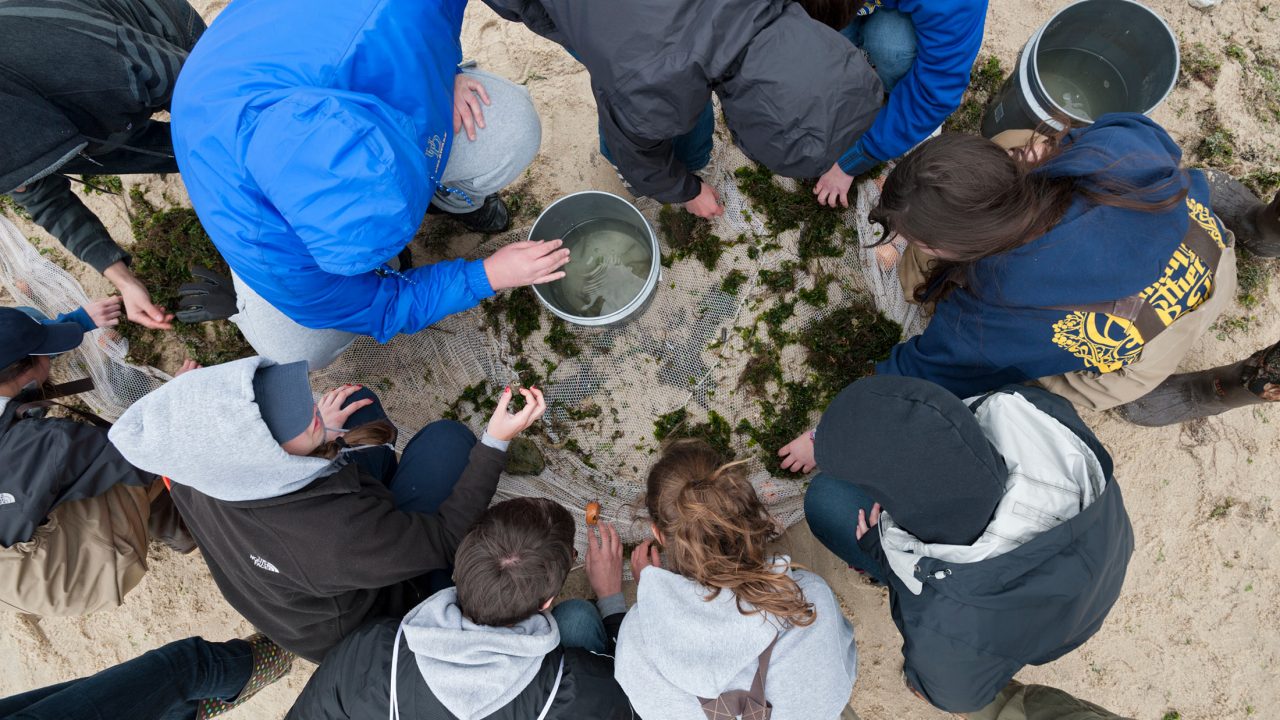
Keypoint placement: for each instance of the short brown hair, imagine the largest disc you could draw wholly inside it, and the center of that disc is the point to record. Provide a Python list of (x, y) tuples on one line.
[(515, 557), (835, 14)]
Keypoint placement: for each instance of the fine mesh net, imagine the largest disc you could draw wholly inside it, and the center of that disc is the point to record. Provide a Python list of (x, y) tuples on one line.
[(32, 280), (686, 350)]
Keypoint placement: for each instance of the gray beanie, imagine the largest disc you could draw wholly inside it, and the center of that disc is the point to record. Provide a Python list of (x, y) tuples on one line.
[(283, 396)]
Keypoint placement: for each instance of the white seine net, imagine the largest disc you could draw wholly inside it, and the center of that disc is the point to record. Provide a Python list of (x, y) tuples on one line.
[(684, 351)]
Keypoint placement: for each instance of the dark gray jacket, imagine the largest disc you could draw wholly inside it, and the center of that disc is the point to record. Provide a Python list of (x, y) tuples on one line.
[(795, 93), (50, 461), (79, 82), (974, 625)]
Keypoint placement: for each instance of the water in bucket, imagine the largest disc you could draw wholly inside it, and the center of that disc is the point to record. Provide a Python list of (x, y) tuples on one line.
[(609, 264), (1083, 83)]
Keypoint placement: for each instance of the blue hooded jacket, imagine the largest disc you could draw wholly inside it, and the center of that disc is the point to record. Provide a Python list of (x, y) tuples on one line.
[(1004, 329), (311, 135), (948, 37)]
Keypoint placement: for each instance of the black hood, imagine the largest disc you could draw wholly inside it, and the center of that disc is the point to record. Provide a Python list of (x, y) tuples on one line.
[(37, 140), (916, 449)]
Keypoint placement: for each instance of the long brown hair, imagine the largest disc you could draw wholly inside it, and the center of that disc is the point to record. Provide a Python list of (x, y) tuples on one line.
[(376, 432), (967, 198), (716, 531)]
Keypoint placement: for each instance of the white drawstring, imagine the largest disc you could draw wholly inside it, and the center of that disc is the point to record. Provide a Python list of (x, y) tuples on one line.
[(394, 712)]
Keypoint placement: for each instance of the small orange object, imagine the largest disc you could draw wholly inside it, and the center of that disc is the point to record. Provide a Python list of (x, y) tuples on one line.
[(593, 512)]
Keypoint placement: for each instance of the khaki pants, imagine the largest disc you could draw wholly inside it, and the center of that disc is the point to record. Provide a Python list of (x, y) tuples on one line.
[(83, 559), (1160, 357)]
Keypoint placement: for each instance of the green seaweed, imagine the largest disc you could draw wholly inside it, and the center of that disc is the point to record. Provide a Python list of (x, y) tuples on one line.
[(166, 245), (1200, 63), (733, 282), (1265, 183), (985, 80), (102, 184), (780, 424), (689, 236), (561, 341), (477, 396), (9, 205), (522, 312), (846, 344), (716, 431), (1217, 147), (764, 365), (1253, 278), (820, 226)]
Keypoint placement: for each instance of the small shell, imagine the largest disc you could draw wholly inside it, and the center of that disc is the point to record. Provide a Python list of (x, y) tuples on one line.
[(593, 512)]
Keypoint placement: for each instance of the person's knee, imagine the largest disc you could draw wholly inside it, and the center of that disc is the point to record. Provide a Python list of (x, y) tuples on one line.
[(512, 133), (442, 432), (889, 39)]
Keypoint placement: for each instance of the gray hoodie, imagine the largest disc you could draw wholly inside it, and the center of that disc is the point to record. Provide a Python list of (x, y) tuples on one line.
[(474, 670), (676, 646), (203, 430)]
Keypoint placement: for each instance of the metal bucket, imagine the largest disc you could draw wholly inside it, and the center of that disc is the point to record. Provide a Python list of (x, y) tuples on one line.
[(562, 217), (1090, 58)]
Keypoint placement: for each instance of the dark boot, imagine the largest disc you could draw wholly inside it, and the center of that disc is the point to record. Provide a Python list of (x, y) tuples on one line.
[(1188, 396), (1255, 224), (491, 217)]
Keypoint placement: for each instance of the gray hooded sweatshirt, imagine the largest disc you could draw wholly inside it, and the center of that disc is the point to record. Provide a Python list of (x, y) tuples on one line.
[(227, 452), (475, 670), (676, 646)]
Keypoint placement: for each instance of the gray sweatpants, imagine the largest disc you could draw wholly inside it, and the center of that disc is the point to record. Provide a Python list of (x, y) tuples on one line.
[(499, 154)]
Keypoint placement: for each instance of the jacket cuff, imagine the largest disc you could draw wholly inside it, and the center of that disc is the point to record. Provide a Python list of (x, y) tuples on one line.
[(857, 161), (106, 255), (493, 442), (478, 279), (682, 193), (612, 605), (79, 316)]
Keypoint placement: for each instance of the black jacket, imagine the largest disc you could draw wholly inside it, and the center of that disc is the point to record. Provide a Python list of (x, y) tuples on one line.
[(795, 93), (50, 461), (82, 79), (353, 683), (309, 567), (975, 625)]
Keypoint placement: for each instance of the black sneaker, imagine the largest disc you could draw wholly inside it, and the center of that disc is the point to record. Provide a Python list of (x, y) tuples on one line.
[(491, 217)]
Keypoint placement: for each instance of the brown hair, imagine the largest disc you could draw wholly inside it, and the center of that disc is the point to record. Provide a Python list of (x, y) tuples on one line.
[(835, 14), (716, 531), (16, 370), (967, 198), (377, 432), (513, 560)]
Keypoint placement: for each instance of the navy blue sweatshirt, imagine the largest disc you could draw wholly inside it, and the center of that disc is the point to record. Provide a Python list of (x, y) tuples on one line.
[(1004, 329)]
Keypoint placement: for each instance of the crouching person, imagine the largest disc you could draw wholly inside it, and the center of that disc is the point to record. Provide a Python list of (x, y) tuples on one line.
[(489, 648), (309, 528), (996, 523), (726, 629), (74, 513)]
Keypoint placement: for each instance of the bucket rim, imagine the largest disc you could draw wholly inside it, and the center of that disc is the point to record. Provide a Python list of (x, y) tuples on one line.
[(1027, 66), (637, 303)]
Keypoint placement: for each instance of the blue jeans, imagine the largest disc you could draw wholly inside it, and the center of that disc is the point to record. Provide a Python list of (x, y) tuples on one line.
[(167, 683), (693, 149), (424, 475), (889, 39), (831, 508), (580, 625)]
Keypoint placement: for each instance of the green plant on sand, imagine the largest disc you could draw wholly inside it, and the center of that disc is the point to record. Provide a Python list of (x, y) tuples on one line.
[(984, 82), (689, 236), (522, 311), (715, 431), (166, 244), (822, 233)]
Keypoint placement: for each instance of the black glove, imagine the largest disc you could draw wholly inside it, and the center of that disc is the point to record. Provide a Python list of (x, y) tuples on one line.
[(213, 298)]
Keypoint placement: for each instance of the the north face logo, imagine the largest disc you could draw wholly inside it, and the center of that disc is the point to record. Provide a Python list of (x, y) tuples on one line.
[(7, 499), (264, 564)]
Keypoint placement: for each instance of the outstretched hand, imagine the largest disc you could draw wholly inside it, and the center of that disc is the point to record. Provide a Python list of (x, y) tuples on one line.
[(604, 560), (138, 306), (105, 312), (528, 262), (505, 424), (833, 187), (797, 455)]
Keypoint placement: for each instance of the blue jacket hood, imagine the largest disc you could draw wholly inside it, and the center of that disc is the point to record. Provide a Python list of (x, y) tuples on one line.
[(1107, 252), (319, 154)]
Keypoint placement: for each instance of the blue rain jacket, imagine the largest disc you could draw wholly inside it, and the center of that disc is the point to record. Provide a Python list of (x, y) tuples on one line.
[(948, 37), (311, 135), (1005, 329)]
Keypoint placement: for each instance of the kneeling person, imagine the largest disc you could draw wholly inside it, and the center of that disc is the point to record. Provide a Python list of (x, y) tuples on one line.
[(488, 648)]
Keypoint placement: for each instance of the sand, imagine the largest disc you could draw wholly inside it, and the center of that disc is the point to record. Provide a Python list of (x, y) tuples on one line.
[(1195, 628)]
